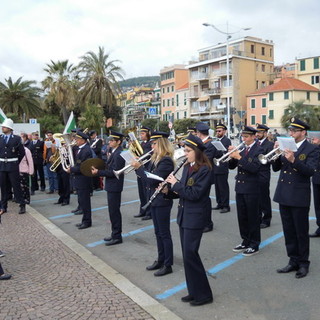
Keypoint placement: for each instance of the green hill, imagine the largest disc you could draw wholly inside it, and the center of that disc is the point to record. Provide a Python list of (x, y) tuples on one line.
[(150, 81)]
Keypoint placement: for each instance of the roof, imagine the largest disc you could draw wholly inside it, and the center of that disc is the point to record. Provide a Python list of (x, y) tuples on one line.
[(185, 86), (286, 84)]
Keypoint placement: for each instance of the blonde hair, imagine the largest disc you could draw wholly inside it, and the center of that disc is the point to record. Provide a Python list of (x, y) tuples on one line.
[(165, 148)]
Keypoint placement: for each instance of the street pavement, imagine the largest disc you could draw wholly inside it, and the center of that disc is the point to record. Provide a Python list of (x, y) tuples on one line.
[(243, 287)]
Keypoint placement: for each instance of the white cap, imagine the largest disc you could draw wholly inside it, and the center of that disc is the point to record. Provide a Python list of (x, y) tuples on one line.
[(8, 123)]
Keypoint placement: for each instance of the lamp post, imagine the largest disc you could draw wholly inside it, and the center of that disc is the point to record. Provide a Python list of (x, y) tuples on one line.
[(229, 35)]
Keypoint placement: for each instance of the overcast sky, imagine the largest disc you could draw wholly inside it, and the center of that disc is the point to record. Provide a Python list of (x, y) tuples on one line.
[(146, 35)]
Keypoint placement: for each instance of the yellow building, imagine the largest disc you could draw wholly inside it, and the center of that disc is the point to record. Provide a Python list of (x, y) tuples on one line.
[(250, 68), (308, 70)]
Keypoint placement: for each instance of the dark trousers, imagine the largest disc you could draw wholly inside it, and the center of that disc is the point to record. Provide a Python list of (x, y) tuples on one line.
[(96, 183), (265, 202), (14, 178), (38, 168), (63, 186), (25, 189), (142, 194), (161, 222), (1, 270), (222, 190), (84, 200), (196, 278), (249, 219), (295, 223), (316, 201), (208, 214), (114, 203)]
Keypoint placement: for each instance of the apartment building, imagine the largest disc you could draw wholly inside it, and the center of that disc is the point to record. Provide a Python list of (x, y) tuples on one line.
[(267, 105), (172, 78), (182, 102), (308, 70), (251, 63)]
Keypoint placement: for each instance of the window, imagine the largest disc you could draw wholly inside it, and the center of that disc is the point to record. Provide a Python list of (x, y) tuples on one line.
[(263, 51), (257, 84), (177, 100), (315, 63), (263, 68), (172, 88), (271, 114), (168, 89), (168, 102), (253, 120), (185, 99), (308, 95), (264, 119), (252, 48), (177, 115), (185, 114), (264, 103), (263, 84), (314, 79), (253, 103), (302, 65), (163, 103), (172, 100), (271, 96), (162, 90), (286, 95), (270, 52), (318, 96)]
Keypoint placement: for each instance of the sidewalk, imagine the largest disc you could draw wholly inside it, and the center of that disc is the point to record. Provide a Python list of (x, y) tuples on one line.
[(52, 280)]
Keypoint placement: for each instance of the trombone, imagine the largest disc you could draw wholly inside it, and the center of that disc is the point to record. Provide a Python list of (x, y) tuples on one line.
[(128, 168), (272, 155), (226, 157)]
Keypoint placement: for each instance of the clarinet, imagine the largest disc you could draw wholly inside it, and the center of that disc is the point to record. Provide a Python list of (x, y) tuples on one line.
[(165, 183)]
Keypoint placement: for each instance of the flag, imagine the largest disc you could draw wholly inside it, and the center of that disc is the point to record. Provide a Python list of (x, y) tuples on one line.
[(2, 116), (71, 124)]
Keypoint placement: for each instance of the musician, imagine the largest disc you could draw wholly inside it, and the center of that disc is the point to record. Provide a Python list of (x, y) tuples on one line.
[(81, 182), (192, 130), (247, 191), (142, 188), (264, 177), (211, 152), (316, 191), (113, 186), (36, 148), (11, 154), (96, 145), (293, 195), (193, 190), (221, 173), (161, 164)]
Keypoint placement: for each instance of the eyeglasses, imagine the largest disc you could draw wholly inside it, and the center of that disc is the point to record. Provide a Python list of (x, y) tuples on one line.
[(295, 130), (219, 131)]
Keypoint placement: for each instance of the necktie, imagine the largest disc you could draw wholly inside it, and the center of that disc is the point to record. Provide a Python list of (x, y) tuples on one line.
[(247, 151), (6, 138)]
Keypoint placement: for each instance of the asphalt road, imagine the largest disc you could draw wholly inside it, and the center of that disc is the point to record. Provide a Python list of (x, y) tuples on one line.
[(243, 287)]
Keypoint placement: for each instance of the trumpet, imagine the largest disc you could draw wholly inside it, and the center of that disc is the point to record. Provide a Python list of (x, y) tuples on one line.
[(128, 168), (272, 155), (226, 157)]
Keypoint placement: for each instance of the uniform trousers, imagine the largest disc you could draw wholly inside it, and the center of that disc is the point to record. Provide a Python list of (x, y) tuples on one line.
[(38, 168), (265, 202), (84, 200), (222, 190), (63, 186), (14, 178), (316, 201), (161, 222), (142, 194), (295, 223), (249, 219), (196, 278), (1, 270), (114, 203), (208, 214)]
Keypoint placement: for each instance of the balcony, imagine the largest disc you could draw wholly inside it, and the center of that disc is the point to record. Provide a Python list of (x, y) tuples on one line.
[(213, 91), (199, 76)]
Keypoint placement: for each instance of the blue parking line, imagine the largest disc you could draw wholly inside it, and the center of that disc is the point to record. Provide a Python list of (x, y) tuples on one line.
[(93, 210), (124, 235)]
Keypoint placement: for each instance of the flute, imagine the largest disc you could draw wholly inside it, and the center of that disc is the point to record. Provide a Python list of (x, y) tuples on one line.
[(165, 183)]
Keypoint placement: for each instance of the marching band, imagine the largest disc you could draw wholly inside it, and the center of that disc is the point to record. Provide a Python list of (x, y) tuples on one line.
[(77, 161)]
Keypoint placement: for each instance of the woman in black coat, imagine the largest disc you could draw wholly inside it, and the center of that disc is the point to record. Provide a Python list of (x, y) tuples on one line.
[(161, 164), (193, 190)]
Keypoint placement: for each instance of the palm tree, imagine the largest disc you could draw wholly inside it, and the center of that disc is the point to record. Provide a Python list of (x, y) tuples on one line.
[(305, 112), (20, 97), (100, 81), (92, 118), (61, 85)]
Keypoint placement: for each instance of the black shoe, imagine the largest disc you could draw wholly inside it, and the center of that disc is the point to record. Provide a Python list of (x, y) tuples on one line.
[(43, 189), (314, 235), (187, 298), (302, 272), (163, 271), (77, 213), (113, 242), (59, 202), (75, 210), (217, 208), (84, 226), (207, 229), (32, 193), (107, 239), (5, 276), (64, 204), (155, 266), (264, 225), (140, 215), (49, 192), (225, 210), (146, 218), (22, 209), (201, 302), (288, 268)]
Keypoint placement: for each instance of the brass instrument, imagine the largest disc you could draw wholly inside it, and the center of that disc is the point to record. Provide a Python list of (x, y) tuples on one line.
[(128, 168), (272, 155), (85, 166), (226, 157), (135, 146)]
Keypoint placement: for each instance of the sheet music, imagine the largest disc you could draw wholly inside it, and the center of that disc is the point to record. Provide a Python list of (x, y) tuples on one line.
[(287, 143), (219, 146), (128, 156), (153, 176), (314, 134)]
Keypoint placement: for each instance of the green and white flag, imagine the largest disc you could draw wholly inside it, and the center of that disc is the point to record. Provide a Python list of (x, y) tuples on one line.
[(2, 116), (71, 124)]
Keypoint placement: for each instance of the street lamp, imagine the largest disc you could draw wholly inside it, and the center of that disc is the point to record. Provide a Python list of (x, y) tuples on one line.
[(229, 35)]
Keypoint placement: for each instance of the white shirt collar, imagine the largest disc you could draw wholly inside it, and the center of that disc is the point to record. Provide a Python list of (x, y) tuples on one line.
[(298, 144)]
